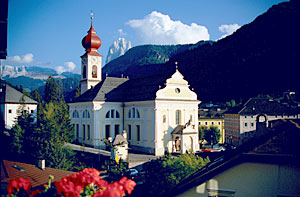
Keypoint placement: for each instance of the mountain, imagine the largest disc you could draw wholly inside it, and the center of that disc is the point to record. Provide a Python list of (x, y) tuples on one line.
[(33, 77), (145, 55), (260, 57), (117, 49)]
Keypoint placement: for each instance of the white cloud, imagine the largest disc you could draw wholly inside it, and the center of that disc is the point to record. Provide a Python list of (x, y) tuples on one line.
[(121, 32), (228, 29), (157, 28), (60, 69), (27, 58), (70, 66)]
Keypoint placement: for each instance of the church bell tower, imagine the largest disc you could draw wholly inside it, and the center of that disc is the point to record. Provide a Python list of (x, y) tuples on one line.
[(91, 61)]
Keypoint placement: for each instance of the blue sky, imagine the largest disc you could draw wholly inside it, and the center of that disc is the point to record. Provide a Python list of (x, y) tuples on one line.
[(48, 33)]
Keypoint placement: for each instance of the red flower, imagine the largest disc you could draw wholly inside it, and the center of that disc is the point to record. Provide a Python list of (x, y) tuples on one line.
[(17, 184), (128, 184)]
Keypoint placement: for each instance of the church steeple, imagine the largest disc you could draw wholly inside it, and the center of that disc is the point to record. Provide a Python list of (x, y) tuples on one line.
[(91, 61)]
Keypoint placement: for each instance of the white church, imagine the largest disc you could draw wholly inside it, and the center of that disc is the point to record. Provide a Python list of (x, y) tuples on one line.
[(159, 114)]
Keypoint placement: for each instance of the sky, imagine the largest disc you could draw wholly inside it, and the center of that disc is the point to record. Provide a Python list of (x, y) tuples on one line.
[(48, 33)]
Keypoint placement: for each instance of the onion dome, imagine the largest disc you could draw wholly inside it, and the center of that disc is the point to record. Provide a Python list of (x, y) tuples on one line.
[(91, 42)]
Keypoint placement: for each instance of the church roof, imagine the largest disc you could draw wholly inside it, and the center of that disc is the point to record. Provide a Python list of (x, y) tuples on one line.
[(9, 94), (113, 89), (100, 91)]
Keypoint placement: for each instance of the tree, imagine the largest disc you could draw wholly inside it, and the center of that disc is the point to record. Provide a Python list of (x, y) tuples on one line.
[(202, 130), (51, 91), (78, 93), (212, 135), (165, 172)]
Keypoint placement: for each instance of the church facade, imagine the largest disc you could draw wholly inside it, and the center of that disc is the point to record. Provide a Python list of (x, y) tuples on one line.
[(159, 114)]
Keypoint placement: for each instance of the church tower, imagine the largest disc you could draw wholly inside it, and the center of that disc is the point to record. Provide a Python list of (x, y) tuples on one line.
[(90, 61)]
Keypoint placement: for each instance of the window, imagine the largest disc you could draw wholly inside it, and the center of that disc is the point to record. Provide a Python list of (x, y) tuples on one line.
[(9, 111), (178, 117), (275, 116), (84, 72), (83, 131), (251, 116), (212, 123), (112, 114), (246, 124), (219, 123), (117, 128), (245, 116), (199, 123), (107, 131), (94, 71), (164, 119), (129, 132), (191, 118), (88, 132), (77, 130), (75, 114), (86, 114), (31, 111), (107, 114), (138, 132), (133, 113), (252, 124), (205, 123)]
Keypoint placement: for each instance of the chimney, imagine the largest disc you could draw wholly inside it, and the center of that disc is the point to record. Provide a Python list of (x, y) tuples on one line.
[(41, 164)]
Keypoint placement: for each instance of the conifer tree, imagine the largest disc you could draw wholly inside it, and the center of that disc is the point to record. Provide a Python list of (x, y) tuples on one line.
[(51, 90)]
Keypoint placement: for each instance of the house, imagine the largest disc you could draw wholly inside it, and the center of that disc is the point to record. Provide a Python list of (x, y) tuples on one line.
[(148, 109), (12, 102), (265, 166), (120, 147), (38, 175), (242, 122), (214, 122)]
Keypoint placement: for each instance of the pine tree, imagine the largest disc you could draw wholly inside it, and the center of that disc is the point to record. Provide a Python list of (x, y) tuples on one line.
[(51, 91)]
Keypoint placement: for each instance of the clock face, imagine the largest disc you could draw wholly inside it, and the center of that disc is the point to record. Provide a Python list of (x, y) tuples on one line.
[(94, 60)]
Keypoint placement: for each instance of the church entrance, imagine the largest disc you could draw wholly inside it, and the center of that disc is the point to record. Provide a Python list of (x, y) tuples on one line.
[(177, 144)]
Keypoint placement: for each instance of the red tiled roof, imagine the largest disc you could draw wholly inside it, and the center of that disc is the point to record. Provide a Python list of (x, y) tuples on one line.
[(36, 175)]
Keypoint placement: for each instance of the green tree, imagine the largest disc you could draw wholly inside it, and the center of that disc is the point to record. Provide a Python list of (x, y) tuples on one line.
[(77, 94), (212, 135), (202, 130), (165, 172), (51, 91)]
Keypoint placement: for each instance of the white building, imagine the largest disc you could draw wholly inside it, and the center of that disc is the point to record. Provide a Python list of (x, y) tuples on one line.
[(149, 108), (11, 101)]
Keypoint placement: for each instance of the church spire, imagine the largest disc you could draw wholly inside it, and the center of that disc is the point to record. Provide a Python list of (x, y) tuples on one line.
[(91, 42)]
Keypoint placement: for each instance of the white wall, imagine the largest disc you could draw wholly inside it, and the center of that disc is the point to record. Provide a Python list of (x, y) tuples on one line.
[(253, 179)]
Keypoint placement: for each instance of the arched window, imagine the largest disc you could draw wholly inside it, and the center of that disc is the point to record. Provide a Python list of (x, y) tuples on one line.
[(107, 114), (112, 114), (84, 72), (86, 114), (164, 119), (178, 117), (133, 113), (94, 71), (75, 114)]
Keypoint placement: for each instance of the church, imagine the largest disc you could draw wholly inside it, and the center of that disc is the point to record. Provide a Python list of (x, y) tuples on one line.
[(158, 114)]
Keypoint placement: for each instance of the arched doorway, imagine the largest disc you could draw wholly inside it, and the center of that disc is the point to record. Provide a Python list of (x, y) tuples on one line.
[(177, 144)]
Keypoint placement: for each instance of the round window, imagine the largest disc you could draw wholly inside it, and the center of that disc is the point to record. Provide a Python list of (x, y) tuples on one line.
[(177, 90)]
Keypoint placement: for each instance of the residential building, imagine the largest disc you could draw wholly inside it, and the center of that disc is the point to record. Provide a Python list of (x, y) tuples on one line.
[(214, 122), (12, 102), (264, 166), (241, 122), (148, 108), (38, 174)]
